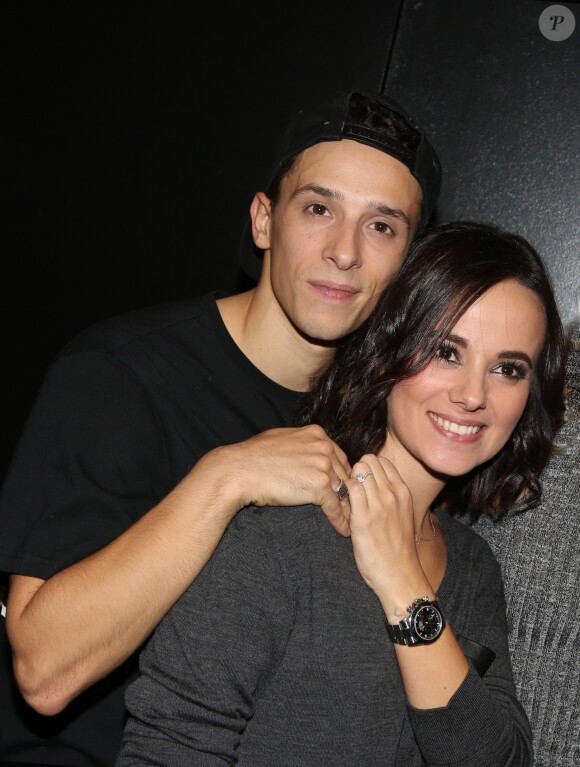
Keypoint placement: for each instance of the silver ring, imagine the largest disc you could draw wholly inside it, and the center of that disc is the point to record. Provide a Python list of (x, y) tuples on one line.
[(342, 490), (361, 477)]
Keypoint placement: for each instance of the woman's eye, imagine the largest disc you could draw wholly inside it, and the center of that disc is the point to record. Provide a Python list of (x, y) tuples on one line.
[(446, 354), (513, 370)]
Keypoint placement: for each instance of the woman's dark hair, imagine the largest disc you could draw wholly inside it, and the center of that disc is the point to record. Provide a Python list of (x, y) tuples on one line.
[(446, 270)]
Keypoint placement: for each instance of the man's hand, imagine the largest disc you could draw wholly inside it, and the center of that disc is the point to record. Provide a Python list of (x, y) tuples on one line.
[(288, 467)]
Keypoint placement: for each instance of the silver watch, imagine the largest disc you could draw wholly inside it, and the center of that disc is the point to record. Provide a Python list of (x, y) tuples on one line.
[(423, 625)]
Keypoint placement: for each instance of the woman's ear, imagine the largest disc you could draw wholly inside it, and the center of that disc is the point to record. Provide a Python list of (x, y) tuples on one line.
[(260, 213)]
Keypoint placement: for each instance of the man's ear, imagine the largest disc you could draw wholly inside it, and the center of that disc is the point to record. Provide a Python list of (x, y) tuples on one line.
[(260, 212)]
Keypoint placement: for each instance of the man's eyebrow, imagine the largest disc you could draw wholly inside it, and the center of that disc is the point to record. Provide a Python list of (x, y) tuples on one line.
[(506, 354), (392, 212), (323, 191), (332, 194)]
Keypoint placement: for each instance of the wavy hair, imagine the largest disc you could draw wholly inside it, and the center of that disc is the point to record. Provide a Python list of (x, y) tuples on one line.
[(447, 269)]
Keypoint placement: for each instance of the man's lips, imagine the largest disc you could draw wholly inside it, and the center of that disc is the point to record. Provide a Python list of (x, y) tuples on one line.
[(462, 429), (335, 290)]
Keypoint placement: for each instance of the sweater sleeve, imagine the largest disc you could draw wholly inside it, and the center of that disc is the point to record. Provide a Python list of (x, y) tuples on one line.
[(210, 657), (484, 723)]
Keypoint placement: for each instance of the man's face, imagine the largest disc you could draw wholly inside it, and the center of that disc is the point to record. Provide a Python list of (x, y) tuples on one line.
[(343, 223)]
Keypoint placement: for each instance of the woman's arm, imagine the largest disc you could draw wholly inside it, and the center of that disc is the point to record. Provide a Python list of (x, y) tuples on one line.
[(458, 718), (484, 722)]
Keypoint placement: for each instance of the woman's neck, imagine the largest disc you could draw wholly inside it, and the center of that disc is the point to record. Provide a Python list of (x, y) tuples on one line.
[(424, 486)]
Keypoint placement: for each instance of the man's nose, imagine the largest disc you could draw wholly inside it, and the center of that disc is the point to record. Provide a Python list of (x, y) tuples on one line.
[(344, 248)]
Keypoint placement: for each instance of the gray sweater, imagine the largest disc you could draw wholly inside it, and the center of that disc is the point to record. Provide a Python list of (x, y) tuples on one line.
[(539, 553), (277, 656)]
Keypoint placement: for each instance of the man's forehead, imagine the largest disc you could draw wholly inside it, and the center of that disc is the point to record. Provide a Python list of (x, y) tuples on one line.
[(348, 156), (349, 169)]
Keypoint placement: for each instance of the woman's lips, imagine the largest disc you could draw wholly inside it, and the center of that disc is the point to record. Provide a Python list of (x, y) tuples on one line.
[(460, 429)]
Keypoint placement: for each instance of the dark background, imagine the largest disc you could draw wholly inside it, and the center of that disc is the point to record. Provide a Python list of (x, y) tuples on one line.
[(133, 139), (501, 103), (134, 136)]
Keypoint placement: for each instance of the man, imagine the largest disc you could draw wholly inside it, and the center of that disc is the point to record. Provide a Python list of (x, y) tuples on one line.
[(539, 553), (151, 431)]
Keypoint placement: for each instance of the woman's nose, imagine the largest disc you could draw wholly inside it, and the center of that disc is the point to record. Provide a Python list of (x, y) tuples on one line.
[(470, 390)]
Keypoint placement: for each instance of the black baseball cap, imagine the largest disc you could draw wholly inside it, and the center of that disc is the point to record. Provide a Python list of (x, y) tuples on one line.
[(328, 121)]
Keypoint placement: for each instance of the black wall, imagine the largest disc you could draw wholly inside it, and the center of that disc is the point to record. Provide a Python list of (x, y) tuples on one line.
[(134, 136), (133, 139), (502, 104)]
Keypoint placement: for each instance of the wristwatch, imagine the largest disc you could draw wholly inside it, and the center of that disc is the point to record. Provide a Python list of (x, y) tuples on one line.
[(423, 625)]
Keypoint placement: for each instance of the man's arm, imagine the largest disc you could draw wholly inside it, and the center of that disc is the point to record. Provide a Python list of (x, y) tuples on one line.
[(74, 628)]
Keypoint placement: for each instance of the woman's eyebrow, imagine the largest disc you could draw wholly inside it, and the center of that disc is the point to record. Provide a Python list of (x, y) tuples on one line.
[(459, 340), (506, 354), (515, 355)]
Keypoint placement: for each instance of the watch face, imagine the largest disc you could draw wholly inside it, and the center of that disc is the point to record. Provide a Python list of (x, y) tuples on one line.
[(427, 622)]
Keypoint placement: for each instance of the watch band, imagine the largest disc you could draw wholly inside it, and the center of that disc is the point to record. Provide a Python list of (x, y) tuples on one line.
[(400, 633)]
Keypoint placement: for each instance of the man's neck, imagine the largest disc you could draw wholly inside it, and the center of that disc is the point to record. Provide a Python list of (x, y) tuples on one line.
[(270, 341)]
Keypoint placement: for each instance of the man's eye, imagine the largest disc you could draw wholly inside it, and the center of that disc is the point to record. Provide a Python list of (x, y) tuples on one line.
[(318, 209), (383, 227)]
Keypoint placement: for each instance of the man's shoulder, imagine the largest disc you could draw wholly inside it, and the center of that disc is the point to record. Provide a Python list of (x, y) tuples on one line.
[(146, 324)]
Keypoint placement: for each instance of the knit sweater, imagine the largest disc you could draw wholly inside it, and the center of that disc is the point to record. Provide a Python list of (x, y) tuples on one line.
[(277, 654)]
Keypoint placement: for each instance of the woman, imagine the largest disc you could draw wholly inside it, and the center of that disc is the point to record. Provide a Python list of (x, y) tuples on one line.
[(542, 589), (296, 646)]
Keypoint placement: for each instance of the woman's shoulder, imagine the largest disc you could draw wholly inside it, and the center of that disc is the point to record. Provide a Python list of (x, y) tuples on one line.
[(289, 544), (285, 528), (473, 572), (464, 540)]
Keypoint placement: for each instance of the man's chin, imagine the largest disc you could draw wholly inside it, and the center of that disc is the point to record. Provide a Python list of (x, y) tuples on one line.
[(325, 337)]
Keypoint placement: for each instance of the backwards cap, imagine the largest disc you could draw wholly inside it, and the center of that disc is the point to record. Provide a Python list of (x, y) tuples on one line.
[(328, 122)]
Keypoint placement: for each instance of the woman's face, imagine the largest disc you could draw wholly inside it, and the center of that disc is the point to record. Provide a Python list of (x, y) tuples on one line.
[(462, 408)]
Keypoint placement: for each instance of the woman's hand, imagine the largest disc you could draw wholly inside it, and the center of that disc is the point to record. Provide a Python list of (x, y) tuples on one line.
[(383, 535)]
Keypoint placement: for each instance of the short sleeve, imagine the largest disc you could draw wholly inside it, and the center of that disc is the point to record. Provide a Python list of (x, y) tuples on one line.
[(91, 460)]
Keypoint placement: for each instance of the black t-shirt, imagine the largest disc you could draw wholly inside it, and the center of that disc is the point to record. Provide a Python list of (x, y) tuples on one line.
[(124, 412)]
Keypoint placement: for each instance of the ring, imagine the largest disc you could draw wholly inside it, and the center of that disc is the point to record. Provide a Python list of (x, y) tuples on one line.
[(361, 477), (342, 490)]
